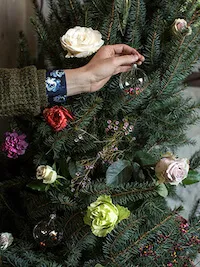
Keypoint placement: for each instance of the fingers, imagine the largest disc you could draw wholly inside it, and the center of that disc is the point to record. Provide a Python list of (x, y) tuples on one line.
[(123, 49), (139, 62), (125, 60), (123, 69)]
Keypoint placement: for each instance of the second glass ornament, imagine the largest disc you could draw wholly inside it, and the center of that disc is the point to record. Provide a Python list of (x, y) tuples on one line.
[(48, 233)]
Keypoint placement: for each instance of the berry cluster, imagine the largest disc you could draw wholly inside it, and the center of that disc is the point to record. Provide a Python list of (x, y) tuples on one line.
[(147, 250), (134, 91)]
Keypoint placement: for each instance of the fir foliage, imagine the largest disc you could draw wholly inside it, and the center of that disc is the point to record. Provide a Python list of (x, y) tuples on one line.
[(160, 114), (195, 160)]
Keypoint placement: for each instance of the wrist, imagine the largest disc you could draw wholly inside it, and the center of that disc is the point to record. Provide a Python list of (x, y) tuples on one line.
[(78, 81)]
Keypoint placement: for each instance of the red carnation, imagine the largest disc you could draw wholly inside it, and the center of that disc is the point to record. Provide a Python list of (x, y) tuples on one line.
[(57, 117)]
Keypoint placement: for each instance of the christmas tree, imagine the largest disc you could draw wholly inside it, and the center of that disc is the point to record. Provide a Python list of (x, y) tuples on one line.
[(90, 189)]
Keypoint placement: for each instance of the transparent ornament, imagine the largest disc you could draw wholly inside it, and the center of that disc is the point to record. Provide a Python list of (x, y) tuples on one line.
[(133, 81), (80, 136), (47, 233)]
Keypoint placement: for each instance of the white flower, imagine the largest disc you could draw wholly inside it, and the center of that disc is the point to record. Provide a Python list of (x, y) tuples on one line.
[(6, 240), (46, 173), (172, 170), (81, 41)]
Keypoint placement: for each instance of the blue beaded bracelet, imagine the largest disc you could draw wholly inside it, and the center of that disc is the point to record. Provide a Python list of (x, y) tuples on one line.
[(56, 87)]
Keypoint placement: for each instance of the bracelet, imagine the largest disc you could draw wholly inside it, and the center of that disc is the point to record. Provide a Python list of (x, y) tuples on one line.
[(56, 87)]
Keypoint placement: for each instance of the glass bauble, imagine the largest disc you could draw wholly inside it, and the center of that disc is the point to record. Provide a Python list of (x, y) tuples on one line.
[(133, 80), (47, 233)]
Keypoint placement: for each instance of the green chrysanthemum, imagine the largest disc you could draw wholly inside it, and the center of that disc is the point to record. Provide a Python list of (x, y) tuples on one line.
[(102, 215)]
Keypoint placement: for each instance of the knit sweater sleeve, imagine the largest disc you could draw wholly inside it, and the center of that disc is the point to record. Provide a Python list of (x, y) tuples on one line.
[(22, 91)]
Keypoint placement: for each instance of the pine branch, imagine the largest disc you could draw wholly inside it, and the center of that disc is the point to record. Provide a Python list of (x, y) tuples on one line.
[(175, 68), (122, 194), (111, 22), (121, 256), (153, 49), (73, 11), (77, 249), (135, 23), (195, 160), (63, 202), (88, 111)]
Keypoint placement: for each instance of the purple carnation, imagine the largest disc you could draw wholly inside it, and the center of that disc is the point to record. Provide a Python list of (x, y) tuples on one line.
[(14, 144)]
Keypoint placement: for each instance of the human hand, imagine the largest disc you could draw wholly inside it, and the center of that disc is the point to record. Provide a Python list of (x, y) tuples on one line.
[(109, 60)]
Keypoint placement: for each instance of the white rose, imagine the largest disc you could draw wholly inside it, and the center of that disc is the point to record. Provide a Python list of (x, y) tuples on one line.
[(46, 173), (172, 170), (81, 41), (6, 240)]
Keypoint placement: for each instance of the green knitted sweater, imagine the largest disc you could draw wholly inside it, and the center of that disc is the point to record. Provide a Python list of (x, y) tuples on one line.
[(22, 91)]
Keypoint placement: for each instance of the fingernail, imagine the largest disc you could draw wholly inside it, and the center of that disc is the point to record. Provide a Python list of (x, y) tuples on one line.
[(136, 57)]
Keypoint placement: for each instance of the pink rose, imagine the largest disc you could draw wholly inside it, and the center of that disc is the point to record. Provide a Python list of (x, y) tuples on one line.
[(172, 170), (181, 26)]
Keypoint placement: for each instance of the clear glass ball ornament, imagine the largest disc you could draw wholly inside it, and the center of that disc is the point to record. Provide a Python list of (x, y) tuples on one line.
[(47, 233), (133, 80)]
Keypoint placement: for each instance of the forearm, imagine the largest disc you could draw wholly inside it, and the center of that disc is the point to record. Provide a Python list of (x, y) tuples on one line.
[(78, 81), (23, 91)]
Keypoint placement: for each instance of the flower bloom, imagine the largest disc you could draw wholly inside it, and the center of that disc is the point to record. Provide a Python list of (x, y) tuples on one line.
[(102, 215), (14, 144), (57, 117), (180, 26), (81, 41), (46, 173), (172, 170), (6, 240)]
